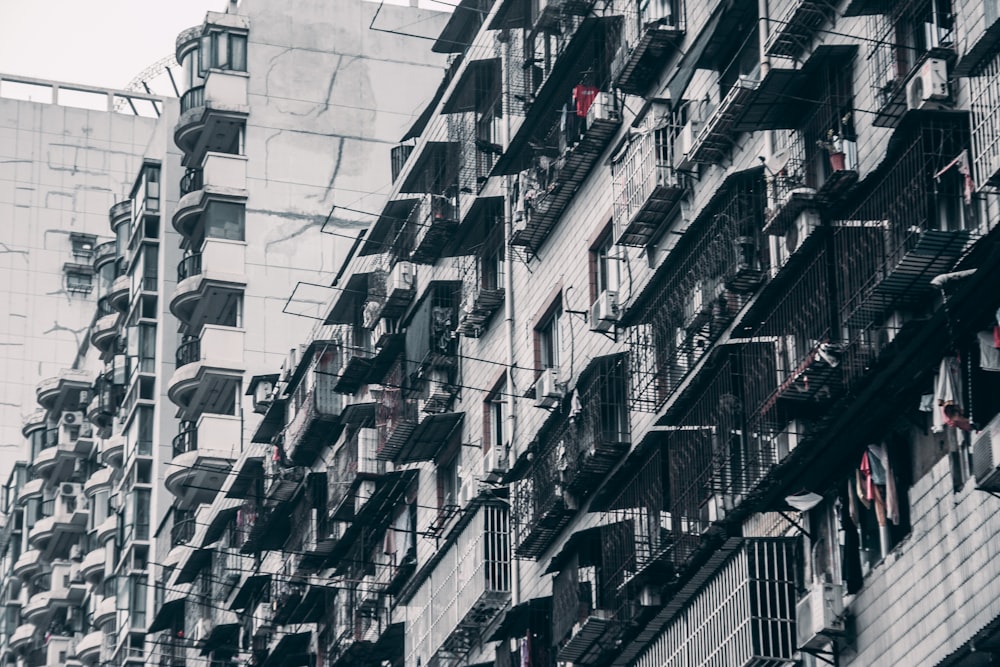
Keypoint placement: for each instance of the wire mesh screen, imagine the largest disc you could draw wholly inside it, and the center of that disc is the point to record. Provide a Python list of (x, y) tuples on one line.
[(703, 284)]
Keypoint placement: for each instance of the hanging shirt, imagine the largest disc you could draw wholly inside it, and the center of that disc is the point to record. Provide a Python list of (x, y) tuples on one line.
[(949, 382), (583, 97), (880, 454), (989, 355)]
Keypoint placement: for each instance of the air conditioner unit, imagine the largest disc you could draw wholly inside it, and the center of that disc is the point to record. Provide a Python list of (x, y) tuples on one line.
[(819, 616), (495, 464), (402, 277), (70, 489), (547, 390), (602, 108), (71, 419), (383, 329), (604, 312), (986, 457), (929, 86), (467, 492), (76, 552), (798, 231), (685, 142)]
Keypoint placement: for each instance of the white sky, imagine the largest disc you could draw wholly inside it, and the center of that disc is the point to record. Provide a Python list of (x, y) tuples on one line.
[(101, 43)]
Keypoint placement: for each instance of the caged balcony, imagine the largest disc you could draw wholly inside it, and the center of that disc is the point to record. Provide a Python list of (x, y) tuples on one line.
[(911, 227), (546, 188), (647, 187), (314, 411), (475, 576), (437, 222), (577, 449), (693, 297), (650, 31), (791, 35), (482, 293), (750, 588)]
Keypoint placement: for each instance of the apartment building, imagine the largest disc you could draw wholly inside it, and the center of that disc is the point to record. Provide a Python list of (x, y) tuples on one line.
[(672, 345), (254, 182)]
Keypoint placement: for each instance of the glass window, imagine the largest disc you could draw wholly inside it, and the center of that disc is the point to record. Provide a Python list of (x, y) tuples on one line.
[(144, 437), (548, 340), (225, 221), (142, 514), (79, 282), (238, 52), (605, 270), (150, 267)]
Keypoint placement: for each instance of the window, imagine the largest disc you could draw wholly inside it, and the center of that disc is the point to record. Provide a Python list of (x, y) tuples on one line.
[(548, 339), (447, 483), (222, 50), (79, 278), (225, 221), (495, 417), (604, 266)]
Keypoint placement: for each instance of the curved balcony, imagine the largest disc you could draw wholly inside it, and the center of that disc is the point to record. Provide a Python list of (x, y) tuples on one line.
[(62, 392), (221, 177), (202, 459), (119, 293), (107, 529), (106, 611), (101, 479), (213, 114), (209, 370), (45, 461), (92, 567), (210, 283), (31, 490), (120, 213), (104, 253), (53, 533), (33, 422), (113, 450), (46, 391), (37, 608), (22, 636), (88, 649), (104, 332), (28, 564)]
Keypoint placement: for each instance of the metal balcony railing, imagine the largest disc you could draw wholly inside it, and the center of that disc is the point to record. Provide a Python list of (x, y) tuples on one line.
[(192, 181), (189, 266), (182, 531), (188, 351), (194, 97), (186, 440)]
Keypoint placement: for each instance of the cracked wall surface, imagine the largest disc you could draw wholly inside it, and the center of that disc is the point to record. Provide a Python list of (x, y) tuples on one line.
[(328, 97), (61, 169)]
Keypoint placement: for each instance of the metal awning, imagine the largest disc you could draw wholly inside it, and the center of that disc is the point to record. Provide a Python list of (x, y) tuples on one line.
[(461, 27), (470, 93), (196, 560), (251, 588), (222, 517), (164, 617), (395, 212), (429, 436), (427, 162), (344, 306)]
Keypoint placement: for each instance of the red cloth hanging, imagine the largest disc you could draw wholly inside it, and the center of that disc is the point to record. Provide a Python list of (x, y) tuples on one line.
[(583, 97)]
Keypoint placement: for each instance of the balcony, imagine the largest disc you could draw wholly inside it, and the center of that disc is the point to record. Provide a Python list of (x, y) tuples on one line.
[(107, 529), (478, 306), (575, 455), (37, 608), (210, 283), (88, 649), (22, 636), (979, 37), (27, 564), (203, 457), (30, 490), (316, 424), (58, 462), (476, 586), (106, 611), (546, 190), (92, 567), (646, 187), (222, 178), (300, 601), (104, 332), (113, 450), (118, 295), (651, 32), (54, 534), (64, 391), (357, 362), (792, 34), (209, 371), (749, 586), (212, 115), (437, 222)]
